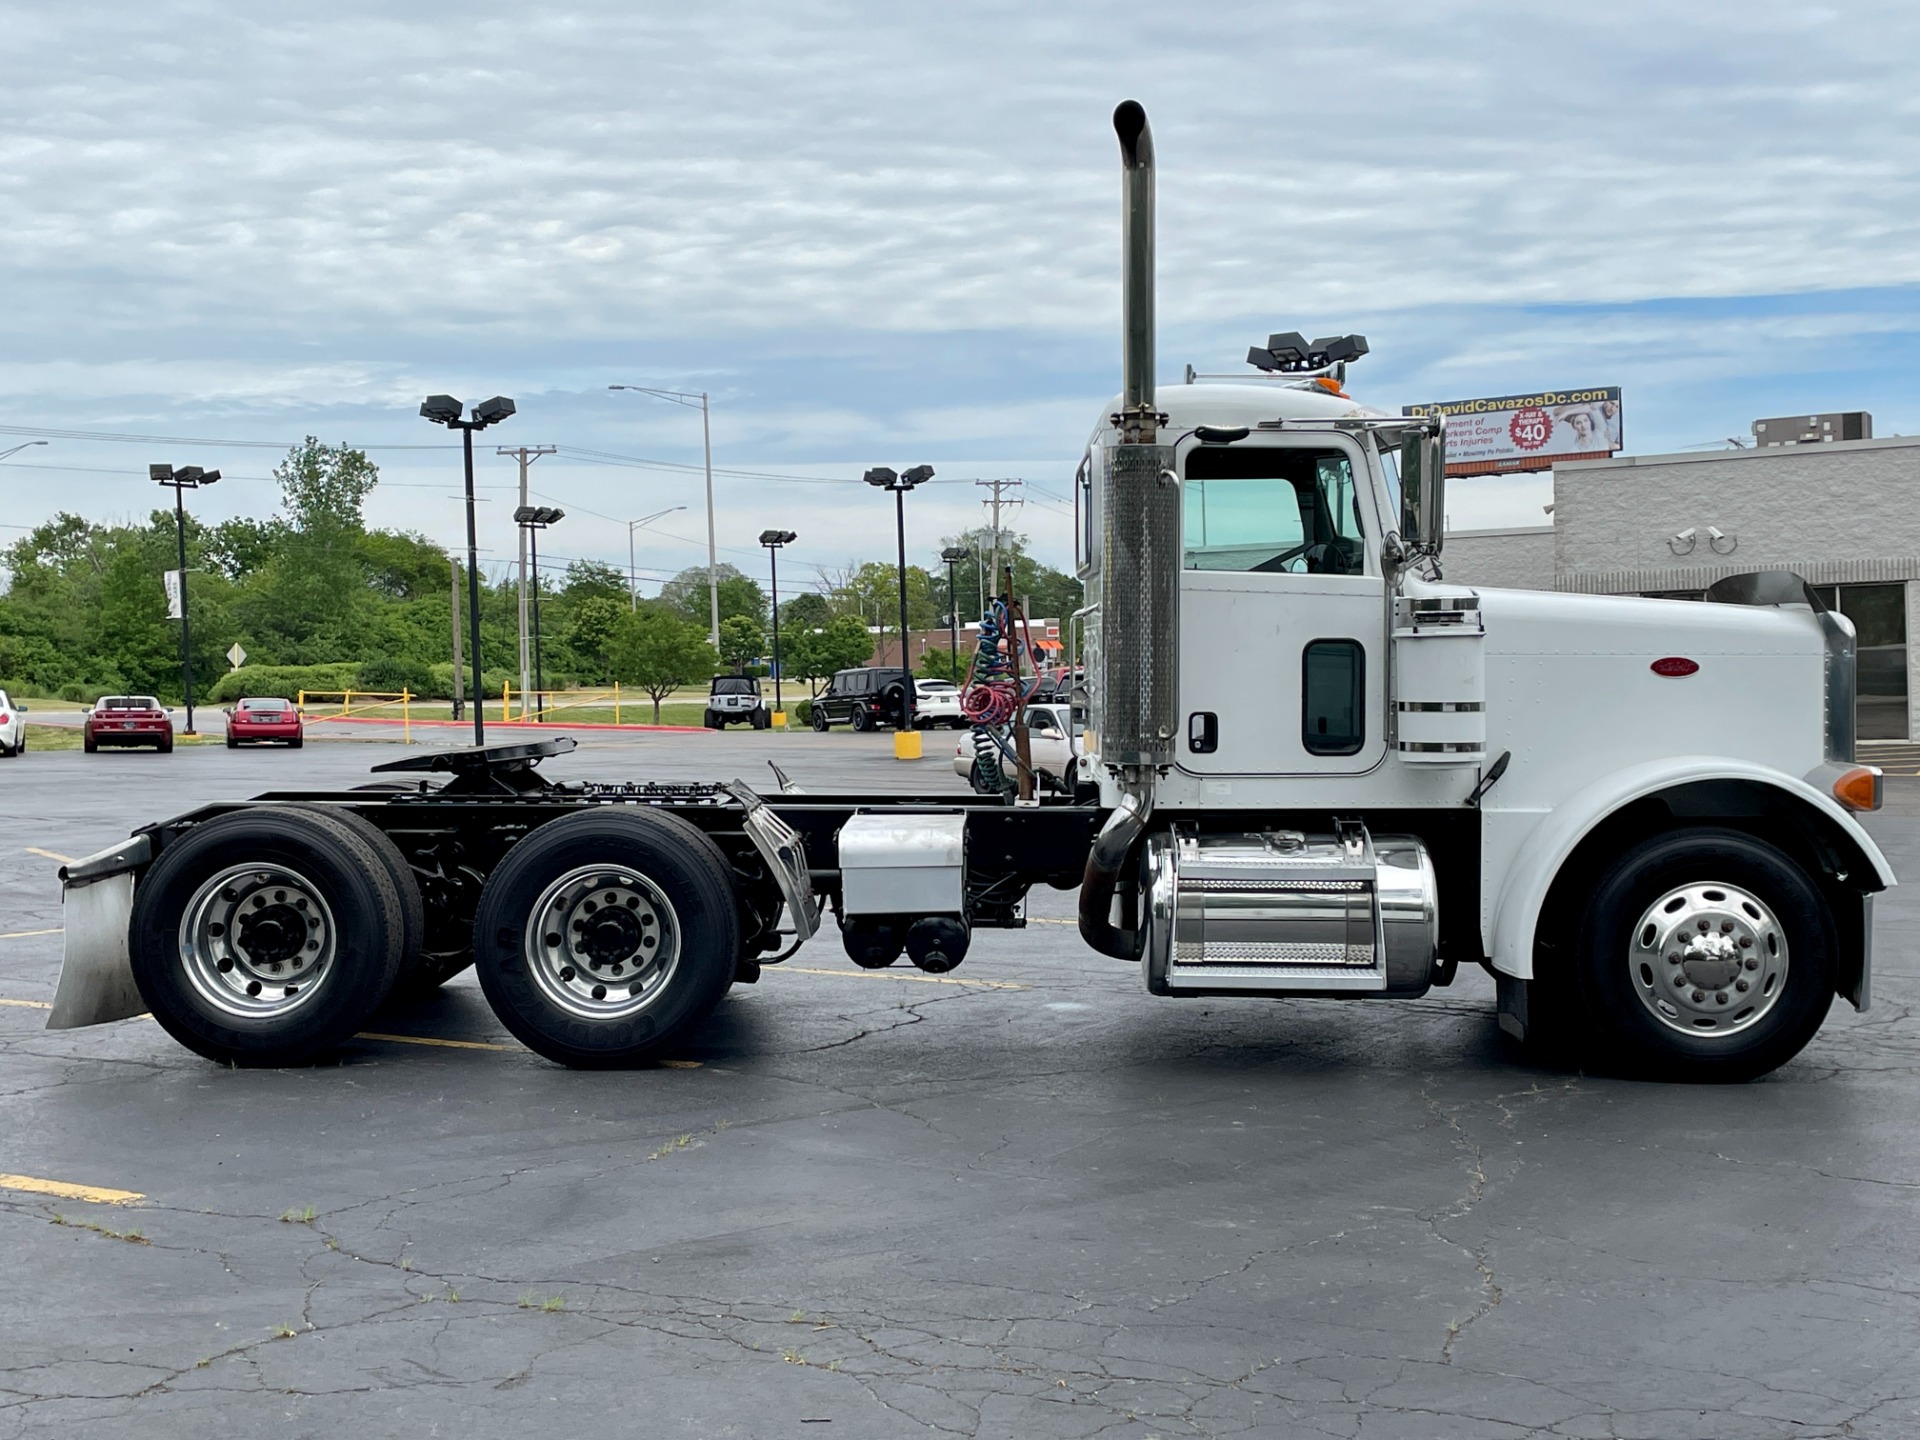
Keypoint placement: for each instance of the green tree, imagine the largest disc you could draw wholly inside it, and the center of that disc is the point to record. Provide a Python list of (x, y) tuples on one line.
[(659, 651), (938, 664), (403, 566), (592, 624), (808, 610), (589, 579), (323, 487), (686, 594), (741, 641)]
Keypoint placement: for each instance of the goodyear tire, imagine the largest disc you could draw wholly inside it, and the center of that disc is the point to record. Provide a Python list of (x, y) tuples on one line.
[(1703, 954), (267, 936), (605, 938)]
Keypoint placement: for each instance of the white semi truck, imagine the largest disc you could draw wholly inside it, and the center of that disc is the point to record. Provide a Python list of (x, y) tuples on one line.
[(1313, 767)]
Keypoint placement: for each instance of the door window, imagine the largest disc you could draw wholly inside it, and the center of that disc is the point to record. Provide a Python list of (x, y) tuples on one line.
[(1333, 687), (1271, 510)]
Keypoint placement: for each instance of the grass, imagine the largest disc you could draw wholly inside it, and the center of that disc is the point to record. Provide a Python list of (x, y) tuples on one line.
[(131, 1237), (61, 737), (304, 1216), (552, 1304), (672, 1147)]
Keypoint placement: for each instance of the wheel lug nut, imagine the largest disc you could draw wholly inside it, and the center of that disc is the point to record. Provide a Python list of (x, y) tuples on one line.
[(1699, 996), (1704, 927), (1726, 927), (1753, 963), (617, 967), (1721, 998), (1746, 942), (1742, 986)]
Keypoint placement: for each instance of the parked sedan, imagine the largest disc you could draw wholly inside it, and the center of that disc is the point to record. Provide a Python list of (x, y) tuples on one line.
[(1050, 740), (127, 720), (13, 726), (261, 718)]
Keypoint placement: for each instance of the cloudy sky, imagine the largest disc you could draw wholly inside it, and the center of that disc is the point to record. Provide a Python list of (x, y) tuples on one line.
[(886, 234)]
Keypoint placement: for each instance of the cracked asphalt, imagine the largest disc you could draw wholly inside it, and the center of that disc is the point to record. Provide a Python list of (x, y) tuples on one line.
[(874, 1206)]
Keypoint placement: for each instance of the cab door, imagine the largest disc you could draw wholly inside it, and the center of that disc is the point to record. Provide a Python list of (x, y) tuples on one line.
[(1282, 609)]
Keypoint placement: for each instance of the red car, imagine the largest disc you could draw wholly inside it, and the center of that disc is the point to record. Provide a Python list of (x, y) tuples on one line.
[(262, 718), (127, 720)]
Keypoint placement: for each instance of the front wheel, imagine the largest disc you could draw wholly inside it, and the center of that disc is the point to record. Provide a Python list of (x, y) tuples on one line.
[(605, 938), (819, 720), (1704, 954)]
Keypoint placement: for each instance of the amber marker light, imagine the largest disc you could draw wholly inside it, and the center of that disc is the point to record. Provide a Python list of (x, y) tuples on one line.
[(1858, 788)]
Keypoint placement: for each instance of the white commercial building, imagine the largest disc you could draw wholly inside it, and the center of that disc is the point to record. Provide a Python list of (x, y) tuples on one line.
[(1842, 515)]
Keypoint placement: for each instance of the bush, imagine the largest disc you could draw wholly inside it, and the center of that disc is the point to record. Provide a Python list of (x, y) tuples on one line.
[(393, 673), (283, 682), (802, 711), (491, 681)]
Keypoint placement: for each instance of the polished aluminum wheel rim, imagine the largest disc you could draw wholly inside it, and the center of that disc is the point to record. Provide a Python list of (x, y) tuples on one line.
[(603, 942), (1708, 959), (257, 941)]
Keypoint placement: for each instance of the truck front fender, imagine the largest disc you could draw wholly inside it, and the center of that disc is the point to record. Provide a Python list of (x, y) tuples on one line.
[(1547, 844)]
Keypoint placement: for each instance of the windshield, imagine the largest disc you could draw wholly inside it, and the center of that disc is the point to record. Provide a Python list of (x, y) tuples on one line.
[(741, 685), (1268, 509), (127, 702), (933, 687), (263, 705)]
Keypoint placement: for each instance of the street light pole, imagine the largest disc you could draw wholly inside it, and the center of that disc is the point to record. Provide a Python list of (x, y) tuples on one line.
[(885, 479), (23, 445), (532, 519), (633, 571), (773, 540), (445, 410), (953, 555), (187, 477), (689, 398)]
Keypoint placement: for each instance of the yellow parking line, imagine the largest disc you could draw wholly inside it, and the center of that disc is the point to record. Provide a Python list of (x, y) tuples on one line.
[(29, 1004), (897, 975), (52, 855), (29, 934), (61, 1190), (431, 1040)]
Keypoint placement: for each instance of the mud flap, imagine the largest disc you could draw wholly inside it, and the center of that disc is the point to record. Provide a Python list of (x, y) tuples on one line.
[(96, 977)]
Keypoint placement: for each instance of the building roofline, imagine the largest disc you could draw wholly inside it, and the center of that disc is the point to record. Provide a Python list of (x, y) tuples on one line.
[(1764, 452), (1505, 530)]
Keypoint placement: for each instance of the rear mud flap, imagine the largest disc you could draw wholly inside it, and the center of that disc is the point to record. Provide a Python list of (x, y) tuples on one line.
[(96, 976)]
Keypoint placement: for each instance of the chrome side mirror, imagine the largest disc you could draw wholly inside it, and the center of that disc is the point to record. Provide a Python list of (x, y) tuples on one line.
[(1423, 487)]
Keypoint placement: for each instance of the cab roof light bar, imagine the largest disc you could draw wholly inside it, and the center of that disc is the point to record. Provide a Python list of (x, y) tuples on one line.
[(1290, 355)]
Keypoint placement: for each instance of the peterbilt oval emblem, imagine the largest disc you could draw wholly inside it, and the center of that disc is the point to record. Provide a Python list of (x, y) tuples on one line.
[(1675, 665)]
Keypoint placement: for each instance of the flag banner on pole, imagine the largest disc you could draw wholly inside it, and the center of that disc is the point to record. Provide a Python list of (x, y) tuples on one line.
[(172, 579)]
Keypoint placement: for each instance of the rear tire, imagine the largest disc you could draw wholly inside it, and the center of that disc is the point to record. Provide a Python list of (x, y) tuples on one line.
[(298, 741), (87, 744), (232, 907), (232, 744), (418, 973), (597, 993), (1746, 922), (165, 747), (862, 721)]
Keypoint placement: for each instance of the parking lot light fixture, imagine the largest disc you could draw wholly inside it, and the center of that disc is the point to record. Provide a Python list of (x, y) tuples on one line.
[(187, 477), (445, 410), (533, 519), (773, 540), (882, 478)]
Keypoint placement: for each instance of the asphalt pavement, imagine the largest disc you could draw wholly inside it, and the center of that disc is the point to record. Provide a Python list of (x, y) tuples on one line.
[(1025, 1199)]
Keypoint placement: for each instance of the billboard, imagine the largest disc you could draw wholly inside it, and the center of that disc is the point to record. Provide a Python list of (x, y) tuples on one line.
[(1528, 432)]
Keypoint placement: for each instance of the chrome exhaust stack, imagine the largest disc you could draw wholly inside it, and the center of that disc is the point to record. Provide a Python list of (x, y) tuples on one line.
[(1139, 563)]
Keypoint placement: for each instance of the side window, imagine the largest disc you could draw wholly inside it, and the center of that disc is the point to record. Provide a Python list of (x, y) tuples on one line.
[(1271, 509), (1333, 687)]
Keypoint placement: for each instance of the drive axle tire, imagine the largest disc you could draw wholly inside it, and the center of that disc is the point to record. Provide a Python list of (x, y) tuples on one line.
[(1703, 954), (266, 936), (861, 719), (605, 938), (419, 973)]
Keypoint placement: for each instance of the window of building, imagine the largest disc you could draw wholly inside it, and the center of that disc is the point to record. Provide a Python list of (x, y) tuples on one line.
[(1271, 510)]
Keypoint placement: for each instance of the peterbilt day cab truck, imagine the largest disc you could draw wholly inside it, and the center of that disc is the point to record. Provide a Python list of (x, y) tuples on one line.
[(1312, 766)]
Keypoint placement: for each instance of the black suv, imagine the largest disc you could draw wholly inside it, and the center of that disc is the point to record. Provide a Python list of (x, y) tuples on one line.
[(866, 698)]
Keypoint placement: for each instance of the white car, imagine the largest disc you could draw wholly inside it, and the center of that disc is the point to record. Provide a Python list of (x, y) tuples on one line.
[(936, 702), (1053, 741), (13, 726)]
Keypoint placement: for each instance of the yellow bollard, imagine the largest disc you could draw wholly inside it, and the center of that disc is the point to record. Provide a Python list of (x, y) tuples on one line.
[(616, 702), (779, 719), (506, 701), (906, 744), (406, 716)]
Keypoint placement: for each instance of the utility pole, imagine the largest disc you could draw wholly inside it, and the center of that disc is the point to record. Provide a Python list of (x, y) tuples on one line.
[(998, 486), (526, 455)]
